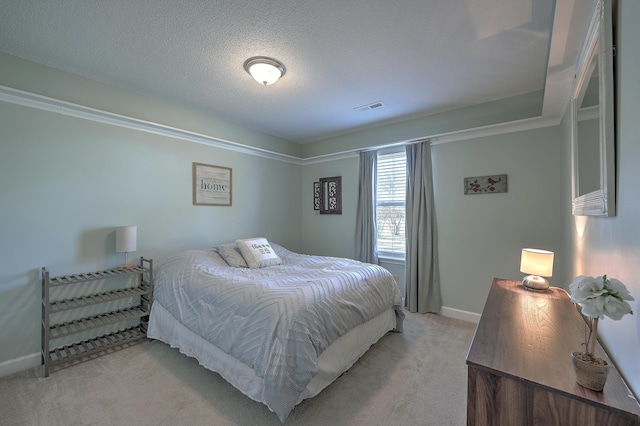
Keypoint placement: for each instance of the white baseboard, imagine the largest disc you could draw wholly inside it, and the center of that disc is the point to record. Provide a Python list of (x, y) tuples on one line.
[(18, 364), (460, 314)]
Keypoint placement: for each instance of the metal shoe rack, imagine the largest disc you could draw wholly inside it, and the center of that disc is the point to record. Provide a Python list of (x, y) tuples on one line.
[(141, 293)]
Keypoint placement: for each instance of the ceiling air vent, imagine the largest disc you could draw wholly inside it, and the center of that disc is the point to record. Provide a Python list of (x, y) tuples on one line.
[(368, 107)]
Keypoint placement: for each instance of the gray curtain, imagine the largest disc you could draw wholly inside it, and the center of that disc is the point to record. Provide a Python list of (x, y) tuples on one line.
[(366, 231), (422, 275)]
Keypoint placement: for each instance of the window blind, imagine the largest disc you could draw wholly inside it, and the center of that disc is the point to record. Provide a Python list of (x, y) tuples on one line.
[(391, 182)]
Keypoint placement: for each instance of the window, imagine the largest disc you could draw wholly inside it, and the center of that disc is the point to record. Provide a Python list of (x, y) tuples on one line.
[(391, 183)]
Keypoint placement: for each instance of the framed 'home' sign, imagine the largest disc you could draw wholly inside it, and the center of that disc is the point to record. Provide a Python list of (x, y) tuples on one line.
[(211, 185)]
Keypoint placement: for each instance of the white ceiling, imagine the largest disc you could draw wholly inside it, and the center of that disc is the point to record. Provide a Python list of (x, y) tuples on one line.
[(417, 57)]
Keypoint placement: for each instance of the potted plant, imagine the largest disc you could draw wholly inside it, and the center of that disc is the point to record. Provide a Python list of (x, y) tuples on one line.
[(596, 298)]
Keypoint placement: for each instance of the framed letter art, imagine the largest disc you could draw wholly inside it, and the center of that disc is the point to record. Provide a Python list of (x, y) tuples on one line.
[(211, 185), (331, 195), (317, 199)]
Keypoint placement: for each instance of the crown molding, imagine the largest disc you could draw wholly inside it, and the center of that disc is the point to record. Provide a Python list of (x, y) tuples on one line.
[(454, 136), (32, 100), (495, 129)]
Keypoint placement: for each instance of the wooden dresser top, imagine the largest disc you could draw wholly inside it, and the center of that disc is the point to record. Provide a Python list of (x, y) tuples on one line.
[(530, 335)]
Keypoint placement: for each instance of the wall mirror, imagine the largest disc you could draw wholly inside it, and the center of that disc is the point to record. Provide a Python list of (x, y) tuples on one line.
[(592, 117)]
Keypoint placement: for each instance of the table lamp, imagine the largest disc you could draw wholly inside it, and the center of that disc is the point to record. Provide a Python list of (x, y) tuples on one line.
[(126, 243), (538, 263)]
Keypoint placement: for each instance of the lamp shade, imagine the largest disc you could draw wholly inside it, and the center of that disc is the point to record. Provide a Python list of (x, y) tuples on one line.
[(536, 262), (126, 237)]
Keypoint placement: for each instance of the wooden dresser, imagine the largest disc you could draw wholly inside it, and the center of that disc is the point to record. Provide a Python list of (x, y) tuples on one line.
[(520, 370)]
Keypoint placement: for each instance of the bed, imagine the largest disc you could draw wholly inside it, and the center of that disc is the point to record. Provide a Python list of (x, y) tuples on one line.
[(280, 332)]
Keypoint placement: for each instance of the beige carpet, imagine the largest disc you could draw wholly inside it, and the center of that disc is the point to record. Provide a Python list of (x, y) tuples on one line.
[(414, 378)]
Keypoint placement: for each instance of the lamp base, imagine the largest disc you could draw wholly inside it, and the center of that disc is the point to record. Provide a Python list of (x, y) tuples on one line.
[(126, 266), (535, 282)]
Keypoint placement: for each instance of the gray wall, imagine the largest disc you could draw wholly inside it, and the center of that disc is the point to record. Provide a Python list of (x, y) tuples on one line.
[(66, 183), (612, 245), (480, 236), (328, 234)]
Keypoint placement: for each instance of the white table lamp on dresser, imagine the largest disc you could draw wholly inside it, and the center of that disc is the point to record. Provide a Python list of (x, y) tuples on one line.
[(538, 263)]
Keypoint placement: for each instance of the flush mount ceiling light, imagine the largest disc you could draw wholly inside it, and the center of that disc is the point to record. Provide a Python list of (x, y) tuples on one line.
[(264, 70)]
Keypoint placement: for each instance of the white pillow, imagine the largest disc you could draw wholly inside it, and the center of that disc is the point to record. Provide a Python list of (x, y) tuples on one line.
[(258, 253), (231, 255), (218, 260)]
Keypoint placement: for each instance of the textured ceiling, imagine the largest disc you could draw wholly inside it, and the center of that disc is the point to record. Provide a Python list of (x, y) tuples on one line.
[(417, 57)]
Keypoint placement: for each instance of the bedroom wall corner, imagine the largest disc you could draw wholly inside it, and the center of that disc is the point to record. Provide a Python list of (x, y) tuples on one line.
[(39, 80), (481, 236), (67, 183), (612, 245)]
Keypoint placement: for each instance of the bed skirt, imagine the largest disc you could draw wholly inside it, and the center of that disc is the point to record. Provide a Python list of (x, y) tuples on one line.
[(334, 361)]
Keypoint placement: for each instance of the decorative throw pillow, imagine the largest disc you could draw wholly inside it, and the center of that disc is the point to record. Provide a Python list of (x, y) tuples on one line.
[(231, 255), (279, 250), (258, 253), (216, 259)]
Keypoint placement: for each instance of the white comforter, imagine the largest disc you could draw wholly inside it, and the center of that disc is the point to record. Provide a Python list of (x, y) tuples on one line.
[(276, 320)]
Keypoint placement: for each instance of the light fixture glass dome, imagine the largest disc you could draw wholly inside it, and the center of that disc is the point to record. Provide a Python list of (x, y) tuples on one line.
[(264, 70)]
